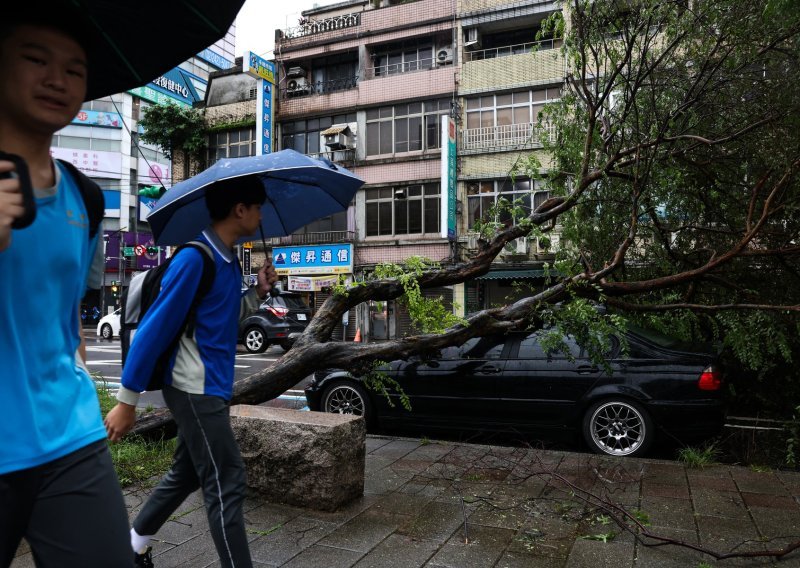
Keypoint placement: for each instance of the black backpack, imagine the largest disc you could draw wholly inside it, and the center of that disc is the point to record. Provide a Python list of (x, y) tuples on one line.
[(140, 295)]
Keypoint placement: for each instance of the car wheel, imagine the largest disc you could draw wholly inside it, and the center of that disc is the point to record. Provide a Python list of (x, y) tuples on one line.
[(346, 397), (106, 332), (618, 428), (254, 340), (285, 345)]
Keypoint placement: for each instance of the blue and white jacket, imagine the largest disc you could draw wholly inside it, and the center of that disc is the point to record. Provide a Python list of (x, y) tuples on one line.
[(203, 363)]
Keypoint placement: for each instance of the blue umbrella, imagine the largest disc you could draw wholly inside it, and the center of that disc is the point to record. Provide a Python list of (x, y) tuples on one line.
[(299, 190)]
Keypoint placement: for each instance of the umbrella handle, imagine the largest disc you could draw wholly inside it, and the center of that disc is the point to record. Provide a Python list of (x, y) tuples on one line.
[(25, 187), (273, 291)]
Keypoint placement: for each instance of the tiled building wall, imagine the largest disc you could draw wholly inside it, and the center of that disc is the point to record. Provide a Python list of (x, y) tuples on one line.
[(487, 166), (230, 113), (543, 67), (371, 255), (403, 172)]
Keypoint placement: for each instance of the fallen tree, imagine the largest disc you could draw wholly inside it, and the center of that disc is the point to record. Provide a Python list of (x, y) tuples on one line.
[(673, 182)]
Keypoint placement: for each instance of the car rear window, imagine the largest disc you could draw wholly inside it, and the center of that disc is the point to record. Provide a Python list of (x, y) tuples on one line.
[(291, 302), (660, 340)]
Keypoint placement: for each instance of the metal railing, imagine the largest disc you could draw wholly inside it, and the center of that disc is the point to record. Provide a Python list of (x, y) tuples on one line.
[(505, 51), (312, 27), (398, 68), (313, 238), (347, 156), (501, 136), (319, 88)]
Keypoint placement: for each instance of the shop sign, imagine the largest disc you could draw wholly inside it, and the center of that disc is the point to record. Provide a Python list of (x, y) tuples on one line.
[(313, 259)]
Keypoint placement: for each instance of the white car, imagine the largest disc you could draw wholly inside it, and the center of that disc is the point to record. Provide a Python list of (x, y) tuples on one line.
[(108, 326)]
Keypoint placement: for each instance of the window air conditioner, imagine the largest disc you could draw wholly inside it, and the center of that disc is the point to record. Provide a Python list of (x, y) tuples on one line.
[(296, 72), (472, 38), (521, 245), (444, 55), (298, 85)]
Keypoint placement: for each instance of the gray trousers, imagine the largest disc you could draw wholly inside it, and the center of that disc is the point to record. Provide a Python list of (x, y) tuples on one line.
[(206, 457), (69, 510)]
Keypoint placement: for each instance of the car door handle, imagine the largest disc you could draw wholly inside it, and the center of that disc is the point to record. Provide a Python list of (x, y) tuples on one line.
[(587, 369), (488, 369)]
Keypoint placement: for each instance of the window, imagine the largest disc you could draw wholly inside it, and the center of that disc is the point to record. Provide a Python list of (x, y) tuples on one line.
[(102, 105), (402, 58), (82, 143), (483, 195), (489, 347), (231, 144), (521, 107), (411, 127), (403, 210), (304, 135)]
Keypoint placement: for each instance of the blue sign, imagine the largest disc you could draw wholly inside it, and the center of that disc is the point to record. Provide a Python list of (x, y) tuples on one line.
[(264, 123), (313, 259), (215, 59), (176, 84)]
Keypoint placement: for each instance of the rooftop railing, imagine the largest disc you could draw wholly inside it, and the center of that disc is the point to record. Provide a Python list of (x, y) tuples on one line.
[(312, 27)]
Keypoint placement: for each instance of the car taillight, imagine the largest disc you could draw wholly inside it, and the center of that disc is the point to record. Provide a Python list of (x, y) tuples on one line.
[(710, 379), (278, 311)]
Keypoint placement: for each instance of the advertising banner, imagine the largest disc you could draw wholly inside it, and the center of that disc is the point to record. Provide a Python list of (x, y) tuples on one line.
[(98, 118), (448, 208), (264, 71), (93, 163)]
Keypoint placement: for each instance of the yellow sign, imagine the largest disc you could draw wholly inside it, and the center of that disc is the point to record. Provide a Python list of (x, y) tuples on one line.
[(247, 245), (259, 67)]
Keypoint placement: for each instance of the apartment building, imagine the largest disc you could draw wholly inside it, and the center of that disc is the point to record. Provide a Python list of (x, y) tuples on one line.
[(368, 85)]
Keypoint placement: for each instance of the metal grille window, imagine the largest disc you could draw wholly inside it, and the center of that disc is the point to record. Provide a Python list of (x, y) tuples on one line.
[(411, 127), (390, 60), (231, 144), (404, 210), (482, 196)]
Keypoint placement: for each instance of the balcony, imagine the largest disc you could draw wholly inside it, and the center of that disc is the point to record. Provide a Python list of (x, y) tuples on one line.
[(505, 51), (314, 27), (323, 237), (524, 68), (305, 88), (398, 68), (503, 137)]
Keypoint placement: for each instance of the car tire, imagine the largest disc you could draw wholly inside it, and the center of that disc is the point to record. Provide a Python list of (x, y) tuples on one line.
[(618, 427), (106, 332), (286, 345), (255, 340), (348, 397)]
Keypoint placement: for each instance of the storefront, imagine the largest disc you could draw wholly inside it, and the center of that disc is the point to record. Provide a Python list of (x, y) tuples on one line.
[(313, 271)]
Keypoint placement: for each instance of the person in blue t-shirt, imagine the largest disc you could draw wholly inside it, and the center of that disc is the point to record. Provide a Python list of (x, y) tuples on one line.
[(199, 380), (58, 488)]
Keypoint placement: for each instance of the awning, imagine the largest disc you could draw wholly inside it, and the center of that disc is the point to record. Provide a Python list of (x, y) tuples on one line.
[(335, 129), (511, 274)]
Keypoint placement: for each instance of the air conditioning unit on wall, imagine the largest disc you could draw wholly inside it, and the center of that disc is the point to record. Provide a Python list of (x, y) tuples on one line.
[(472, 38), (296, 72), (298, 85), (444, 55)]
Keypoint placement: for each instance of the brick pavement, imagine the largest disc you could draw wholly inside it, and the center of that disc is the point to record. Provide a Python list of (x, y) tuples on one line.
[(450, 505)]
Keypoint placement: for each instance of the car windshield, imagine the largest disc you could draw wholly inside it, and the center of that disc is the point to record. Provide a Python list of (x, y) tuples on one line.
[(285, 301)]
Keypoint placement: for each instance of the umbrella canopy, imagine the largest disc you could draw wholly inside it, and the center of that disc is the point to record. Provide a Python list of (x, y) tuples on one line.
[(131, 42), (299, 190)]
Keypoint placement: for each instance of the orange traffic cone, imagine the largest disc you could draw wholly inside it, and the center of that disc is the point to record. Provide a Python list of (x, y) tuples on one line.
[(358, 335)]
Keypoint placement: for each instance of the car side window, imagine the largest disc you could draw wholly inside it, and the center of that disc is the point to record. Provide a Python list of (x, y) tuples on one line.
[(490, 347), (531, 348)]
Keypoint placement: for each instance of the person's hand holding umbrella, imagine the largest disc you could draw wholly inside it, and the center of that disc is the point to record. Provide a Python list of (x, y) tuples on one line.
[(267, 276)]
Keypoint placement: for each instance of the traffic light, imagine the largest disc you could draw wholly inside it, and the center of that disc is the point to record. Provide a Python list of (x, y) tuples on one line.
[(115, 288), (152, 191)]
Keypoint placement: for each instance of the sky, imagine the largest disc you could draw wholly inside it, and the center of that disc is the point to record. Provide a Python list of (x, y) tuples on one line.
[(258, 20)]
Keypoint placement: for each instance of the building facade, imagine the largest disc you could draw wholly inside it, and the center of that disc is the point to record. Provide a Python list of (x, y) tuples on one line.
[(370, 84)]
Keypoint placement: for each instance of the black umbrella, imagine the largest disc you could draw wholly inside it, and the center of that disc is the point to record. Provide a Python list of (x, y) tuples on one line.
[(131, 42)]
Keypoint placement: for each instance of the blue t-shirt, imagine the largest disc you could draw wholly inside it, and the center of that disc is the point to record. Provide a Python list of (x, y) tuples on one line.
[(48, 402)]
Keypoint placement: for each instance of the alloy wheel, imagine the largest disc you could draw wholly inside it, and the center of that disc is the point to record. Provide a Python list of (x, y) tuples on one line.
[(344, 399), (618, 428)]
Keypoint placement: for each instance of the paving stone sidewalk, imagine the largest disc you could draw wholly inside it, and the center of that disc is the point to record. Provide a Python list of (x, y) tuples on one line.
[(451, 505)]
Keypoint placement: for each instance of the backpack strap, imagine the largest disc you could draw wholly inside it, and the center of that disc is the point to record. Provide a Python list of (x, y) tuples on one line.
[(206, 282), (92, 197)]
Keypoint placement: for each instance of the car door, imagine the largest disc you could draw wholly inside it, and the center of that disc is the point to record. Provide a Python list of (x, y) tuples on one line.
[(458, 387), (543, 388)]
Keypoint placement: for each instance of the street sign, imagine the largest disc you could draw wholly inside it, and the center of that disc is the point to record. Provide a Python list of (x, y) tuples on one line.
[(247, 245), (139, 250), (127, 251)]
